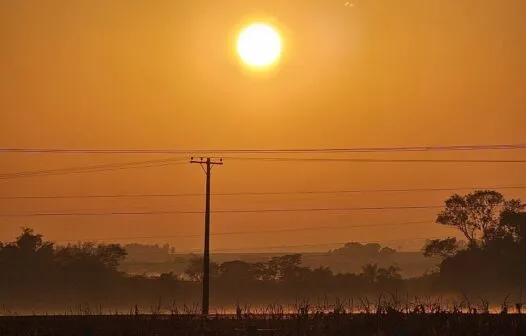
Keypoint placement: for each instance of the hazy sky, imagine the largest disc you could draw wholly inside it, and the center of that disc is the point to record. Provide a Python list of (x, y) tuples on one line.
[(162, 74)]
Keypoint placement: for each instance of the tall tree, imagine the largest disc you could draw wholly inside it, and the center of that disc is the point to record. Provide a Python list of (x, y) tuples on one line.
[(477, 215)]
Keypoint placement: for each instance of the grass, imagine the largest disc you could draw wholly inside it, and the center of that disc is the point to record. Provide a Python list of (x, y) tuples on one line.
[(386, 315), (391, 323)]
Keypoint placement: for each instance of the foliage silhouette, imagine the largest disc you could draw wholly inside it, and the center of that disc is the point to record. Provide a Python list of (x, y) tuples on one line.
[(441, 247), (495, 259), (37, 274), (477, 215)]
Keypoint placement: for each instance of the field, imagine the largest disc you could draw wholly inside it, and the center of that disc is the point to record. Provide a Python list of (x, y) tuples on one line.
[(328, 324)]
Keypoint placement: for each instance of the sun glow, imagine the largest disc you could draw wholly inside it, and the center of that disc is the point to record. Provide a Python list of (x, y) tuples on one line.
[(259, 45)]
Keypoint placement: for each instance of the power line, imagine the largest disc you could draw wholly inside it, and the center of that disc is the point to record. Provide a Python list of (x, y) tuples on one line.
[(266, 151), (97, 168), (319, 192), (235, 233), (156, 163), (356, 160), (173, 161), (146, 213)]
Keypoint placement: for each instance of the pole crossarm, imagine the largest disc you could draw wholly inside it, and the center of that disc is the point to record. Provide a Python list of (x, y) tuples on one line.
[(204, 161)]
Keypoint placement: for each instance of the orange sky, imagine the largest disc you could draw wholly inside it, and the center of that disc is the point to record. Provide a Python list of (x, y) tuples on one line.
[(161, 74)]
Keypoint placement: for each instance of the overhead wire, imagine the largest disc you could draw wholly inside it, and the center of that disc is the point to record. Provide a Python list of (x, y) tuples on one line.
[(235, 233), (266, 151), (147, 213), (358, 160), (150, 163), (97, 168), (271, 193), (195, 152), (156, 163), (174, 161)]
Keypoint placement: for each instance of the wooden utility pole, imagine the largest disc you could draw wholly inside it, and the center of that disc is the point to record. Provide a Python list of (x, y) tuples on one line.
[(207, 167)]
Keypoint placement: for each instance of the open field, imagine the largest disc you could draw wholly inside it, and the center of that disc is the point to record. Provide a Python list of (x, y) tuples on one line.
[(356, 324)]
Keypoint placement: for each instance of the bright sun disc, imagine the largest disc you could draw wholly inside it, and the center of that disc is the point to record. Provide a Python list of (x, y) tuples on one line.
[(259, 45)]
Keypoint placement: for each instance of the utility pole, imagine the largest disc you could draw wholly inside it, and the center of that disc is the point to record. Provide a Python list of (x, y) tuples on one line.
[(207, 167)]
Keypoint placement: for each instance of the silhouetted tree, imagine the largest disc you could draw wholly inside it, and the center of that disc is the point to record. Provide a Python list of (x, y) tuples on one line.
[(194, 269), (495, 228), (370, 272), (237, 272), (369, 249), (515, 224), (387, 250), (477, 215), (284, 267), (441, 247), (111, 255), (28, 241), (261, 271), (321, 275), (103, 256), (388, 274)]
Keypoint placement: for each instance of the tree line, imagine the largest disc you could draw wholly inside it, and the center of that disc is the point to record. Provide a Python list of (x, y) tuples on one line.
[(491, 258)]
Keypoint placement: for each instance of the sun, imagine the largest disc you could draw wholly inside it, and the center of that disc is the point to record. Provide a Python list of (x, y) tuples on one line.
[(259, 45)]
